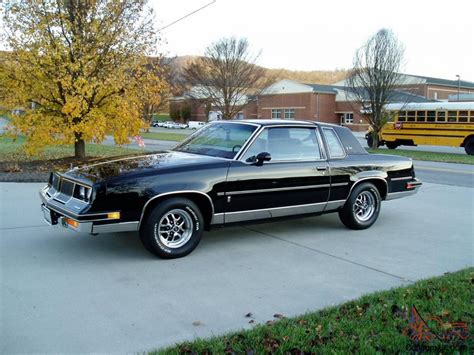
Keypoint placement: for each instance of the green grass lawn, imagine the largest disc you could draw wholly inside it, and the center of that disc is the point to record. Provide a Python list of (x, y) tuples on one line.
[(165, 136), (375, 323), (428, 156), (10, 151), (161, 117)]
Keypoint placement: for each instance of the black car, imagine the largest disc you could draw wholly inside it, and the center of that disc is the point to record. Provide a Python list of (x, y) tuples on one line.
[(229, 172)]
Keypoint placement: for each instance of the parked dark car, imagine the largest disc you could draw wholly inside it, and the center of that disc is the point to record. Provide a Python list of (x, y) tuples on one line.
[(229, 172)]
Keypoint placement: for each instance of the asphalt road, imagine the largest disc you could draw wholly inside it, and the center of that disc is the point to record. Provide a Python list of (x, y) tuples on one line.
[(445, 173), (63, 292)]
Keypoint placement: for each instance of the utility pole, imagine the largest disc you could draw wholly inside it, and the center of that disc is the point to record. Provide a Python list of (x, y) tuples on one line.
[(459, 84)]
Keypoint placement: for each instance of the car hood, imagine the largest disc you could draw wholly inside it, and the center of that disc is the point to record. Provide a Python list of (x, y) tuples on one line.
[(106, 169)]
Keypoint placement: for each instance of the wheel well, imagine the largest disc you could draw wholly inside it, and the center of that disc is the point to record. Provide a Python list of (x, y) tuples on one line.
[(466, 139), (204, 204), (379, 184)]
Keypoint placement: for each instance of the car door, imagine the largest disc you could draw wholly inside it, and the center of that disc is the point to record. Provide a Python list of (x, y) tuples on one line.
[(340, 170), (294, 181)]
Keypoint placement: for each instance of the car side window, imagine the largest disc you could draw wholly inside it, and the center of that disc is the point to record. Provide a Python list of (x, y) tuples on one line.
[(336, 150), (286, 143)]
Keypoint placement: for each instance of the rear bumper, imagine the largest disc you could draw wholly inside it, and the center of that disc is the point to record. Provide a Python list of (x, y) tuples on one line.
[(413, 186), (83, 223)]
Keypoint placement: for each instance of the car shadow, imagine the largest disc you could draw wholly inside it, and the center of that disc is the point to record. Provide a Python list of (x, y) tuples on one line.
[(127, 245)]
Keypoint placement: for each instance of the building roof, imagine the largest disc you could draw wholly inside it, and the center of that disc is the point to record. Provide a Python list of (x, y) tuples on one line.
[(201, 92), (408, 79), (446, 82), (286, 86), (347, 94), (330, 89)]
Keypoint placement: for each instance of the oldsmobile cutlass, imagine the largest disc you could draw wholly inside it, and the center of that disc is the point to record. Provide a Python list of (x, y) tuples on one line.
[(229, 172)]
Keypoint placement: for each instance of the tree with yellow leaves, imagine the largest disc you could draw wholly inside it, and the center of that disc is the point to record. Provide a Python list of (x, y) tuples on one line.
[(156, 90), (78, 68)]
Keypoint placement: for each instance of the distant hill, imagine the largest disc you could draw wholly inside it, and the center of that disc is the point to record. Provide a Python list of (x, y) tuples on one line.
[(314, 76)]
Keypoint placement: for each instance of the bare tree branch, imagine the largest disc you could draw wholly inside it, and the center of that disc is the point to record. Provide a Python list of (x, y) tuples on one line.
[(227, 76), (375, 78)]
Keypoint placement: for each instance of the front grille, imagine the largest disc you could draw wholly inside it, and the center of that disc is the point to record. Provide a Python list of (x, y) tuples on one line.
[(66, 189), (63, 189), (55, 181)]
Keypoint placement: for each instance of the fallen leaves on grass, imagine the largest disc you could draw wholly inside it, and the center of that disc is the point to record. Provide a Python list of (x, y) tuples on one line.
[(271, 344), (12, 168)]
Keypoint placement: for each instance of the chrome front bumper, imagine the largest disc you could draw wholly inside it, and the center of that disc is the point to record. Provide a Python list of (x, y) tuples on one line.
[(53, 215)]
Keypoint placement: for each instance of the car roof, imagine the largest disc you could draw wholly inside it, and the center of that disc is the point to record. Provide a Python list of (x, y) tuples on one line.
[(277, 122)]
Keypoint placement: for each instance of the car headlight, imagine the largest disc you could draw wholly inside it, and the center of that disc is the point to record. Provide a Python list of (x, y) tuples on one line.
[(83, 193)]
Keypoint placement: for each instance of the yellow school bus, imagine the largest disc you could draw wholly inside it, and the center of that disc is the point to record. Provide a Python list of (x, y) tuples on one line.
[(434, 123)]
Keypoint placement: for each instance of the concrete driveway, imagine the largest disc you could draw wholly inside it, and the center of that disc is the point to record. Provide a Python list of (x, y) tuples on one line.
[(63, 292)]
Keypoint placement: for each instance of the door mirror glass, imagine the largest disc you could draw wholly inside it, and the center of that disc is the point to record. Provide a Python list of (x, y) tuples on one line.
[(262, 157)]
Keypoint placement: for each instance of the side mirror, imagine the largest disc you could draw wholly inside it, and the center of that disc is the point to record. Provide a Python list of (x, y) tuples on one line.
[(261, 157)]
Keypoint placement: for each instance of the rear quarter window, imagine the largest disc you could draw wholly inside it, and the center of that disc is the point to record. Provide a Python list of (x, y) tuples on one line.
[(351, 144)]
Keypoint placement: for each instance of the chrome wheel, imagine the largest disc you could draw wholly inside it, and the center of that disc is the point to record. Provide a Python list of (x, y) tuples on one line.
[(364, 206), (175, 228)]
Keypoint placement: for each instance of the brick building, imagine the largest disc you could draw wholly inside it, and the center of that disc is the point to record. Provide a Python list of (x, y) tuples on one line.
[(287, 99)]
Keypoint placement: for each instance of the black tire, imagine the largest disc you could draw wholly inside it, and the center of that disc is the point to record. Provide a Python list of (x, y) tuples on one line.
[(370, 140), (391, 145), (349, 214), (159, 232), (469, 146)]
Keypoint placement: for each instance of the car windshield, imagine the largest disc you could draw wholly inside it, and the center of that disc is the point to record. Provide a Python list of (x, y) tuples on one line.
[(223, 140)]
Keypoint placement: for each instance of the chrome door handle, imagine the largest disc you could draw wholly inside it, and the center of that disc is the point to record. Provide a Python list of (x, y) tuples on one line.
[(321, 168)]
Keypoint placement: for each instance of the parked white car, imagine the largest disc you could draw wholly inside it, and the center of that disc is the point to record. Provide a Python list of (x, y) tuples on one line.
[(196, 124), (171, 124)]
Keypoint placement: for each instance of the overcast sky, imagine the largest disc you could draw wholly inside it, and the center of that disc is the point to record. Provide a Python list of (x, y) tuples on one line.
[(323, 35)]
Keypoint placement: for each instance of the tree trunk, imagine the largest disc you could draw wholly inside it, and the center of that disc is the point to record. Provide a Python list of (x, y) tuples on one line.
[(375, 139), (79, 147)]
